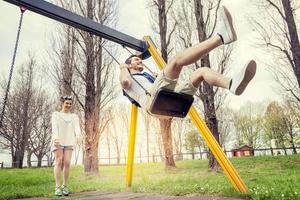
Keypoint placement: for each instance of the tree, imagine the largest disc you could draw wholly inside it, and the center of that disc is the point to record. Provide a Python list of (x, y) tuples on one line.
[(225, 115), (20, 115), (274, 125), (116, 136), (179, 128), (159, 142), (280, 36), (147, 122), (40, 137), (108, 143), (124, 118), (197, 21), (192, 141), (291, 116), (248, 127), (93, 71), (160, 24)]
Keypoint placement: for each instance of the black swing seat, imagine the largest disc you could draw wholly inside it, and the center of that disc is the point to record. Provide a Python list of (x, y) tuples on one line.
[(169, 103)]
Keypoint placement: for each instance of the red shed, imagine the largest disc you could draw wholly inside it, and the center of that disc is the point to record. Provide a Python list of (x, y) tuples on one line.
[(244, 150)]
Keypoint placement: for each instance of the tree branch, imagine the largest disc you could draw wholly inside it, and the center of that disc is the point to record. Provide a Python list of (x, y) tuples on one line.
[(277, 8)]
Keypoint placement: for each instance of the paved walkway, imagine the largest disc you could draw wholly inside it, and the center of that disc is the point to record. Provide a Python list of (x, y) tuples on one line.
[(96, 195)]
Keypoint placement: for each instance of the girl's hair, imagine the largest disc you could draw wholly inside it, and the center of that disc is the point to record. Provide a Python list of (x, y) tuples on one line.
[(65, 98)]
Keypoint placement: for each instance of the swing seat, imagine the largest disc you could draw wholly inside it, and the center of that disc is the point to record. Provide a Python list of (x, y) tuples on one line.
[(169, 103)]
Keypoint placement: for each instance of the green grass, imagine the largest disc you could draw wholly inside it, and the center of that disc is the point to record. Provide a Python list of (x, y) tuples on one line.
[(267, 178)]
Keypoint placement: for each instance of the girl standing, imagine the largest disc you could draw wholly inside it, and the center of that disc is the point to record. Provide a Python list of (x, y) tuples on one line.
[(65, 135)]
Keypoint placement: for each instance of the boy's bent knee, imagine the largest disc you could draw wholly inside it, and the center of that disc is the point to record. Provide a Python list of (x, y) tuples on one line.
[(176, 63), (200, 72)]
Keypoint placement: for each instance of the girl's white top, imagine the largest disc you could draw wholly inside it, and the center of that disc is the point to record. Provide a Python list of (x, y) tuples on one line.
[(65, 127)]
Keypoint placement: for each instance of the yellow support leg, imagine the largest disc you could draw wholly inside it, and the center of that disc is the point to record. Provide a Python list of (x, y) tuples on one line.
[(213, 145), (131, 144), (211, 142)]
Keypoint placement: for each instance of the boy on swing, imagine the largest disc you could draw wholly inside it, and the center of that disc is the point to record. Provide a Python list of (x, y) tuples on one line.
[(135, 89)]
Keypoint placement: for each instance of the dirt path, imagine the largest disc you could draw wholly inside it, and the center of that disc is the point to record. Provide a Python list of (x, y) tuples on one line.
[(96, 195)]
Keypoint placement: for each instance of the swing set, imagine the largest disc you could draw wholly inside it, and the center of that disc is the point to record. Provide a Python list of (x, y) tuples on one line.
[(166, 102)]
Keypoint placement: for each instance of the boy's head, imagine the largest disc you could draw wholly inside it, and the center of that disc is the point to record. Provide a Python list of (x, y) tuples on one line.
[(135, 62)]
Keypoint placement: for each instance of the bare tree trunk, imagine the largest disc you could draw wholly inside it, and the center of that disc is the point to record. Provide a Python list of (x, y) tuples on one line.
[(118, 154), (26, 128), (207, 97), (40, 160), (160, 147), (294, 149), (200, 153), (125, 158), (108, 147), (140, 154), (272, 151), (284, 149), (91, 115), (91, 118), (68, 62), (29, 153), (294, 38), (178, 137), (292, 139), (147, 140), (148, 150), (165, 125), (206, 91), (147, 120)]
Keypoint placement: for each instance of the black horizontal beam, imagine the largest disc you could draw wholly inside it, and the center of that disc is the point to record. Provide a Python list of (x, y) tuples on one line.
[(62, 15)]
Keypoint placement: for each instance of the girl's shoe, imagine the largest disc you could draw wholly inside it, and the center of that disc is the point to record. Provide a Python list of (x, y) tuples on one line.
[(65, 190), (58, 191)]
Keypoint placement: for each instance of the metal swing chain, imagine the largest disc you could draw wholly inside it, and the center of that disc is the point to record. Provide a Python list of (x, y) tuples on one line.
[(23, 9)]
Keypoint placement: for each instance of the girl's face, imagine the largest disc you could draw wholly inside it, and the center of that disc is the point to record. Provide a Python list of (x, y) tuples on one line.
[(67, 105)]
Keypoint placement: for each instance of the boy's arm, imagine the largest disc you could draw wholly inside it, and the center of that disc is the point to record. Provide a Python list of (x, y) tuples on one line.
[(125, 78)]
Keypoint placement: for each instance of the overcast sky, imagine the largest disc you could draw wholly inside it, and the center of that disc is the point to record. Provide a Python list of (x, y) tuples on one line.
[(134, 20)]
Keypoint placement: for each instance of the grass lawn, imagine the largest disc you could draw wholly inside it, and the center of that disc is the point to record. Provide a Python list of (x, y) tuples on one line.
[(267, 178)]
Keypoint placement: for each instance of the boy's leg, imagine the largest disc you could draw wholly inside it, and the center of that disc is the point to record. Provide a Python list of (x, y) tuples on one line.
[(190, 55), (212, 77), (236, 85), (225, 35)]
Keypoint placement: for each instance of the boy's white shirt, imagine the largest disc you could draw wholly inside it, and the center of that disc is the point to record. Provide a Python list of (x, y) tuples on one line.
[(65, 128), (136, 92)]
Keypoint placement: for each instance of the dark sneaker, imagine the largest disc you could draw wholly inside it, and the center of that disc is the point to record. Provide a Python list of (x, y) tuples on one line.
[(241, 80)]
